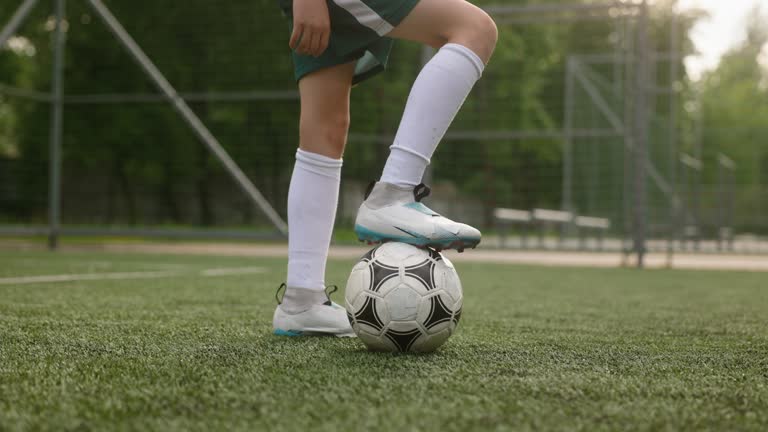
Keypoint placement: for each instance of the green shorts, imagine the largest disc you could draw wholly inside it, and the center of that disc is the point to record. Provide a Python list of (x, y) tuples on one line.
[(357, 33)]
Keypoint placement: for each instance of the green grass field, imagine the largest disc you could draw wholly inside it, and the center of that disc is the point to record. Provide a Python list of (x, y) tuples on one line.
[(537, 348)]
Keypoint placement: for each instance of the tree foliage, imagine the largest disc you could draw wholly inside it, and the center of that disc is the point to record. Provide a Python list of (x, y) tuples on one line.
[(734, 113), (137, 162)]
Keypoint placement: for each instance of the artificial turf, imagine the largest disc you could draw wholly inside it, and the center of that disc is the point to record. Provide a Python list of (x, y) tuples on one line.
[(537, 349)]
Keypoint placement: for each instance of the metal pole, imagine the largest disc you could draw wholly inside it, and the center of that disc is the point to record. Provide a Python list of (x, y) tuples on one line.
[(697, 176), (686, 203), (728, 169), (54, 189), (570, 70), (673, 72), (641, 141), (597, 98), (696, 167), (722, 197), (616, 61), (188, 115), (731, 206), (592, 175), (628, 94), (18, 17)]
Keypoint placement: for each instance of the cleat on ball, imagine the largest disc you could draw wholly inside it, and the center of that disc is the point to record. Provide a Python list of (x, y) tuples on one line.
[(395, 214)]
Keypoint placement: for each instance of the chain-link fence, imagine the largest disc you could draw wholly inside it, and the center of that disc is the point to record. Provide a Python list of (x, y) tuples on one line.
[(548, 151)]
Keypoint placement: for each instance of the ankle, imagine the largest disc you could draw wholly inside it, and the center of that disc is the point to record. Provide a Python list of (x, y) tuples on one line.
[(405, 166), (384, 194), (298, 300)]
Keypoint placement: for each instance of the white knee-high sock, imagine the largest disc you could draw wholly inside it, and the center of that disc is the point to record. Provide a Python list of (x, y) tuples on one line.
[(312, 199), (436, 96)]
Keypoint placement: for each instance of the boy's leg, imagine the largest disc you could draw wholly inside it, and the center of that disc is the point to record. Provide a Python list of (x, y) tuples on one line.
[(466, 37), (325, 110), (312, 200), (439, 22)]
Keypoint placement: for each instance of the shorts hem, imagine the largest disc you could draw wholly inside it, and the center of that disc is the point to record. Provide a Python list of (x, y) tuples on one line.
[(395, 18), (314, 67)]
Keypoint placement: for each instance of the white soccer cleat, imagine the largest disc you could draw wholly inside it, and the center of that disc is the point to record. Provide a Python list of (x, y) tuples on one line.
[(392, 213), (327, 318)]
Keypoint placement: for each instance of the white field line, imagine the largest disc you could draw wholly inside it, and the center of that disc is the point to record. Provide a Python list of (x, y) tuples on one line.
[(84, 277), (105, 265), (213, 272)]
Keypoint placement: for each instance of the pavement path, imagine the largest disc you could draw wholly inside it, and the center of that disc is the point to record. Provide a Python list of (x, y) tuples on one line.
[(688, 261)]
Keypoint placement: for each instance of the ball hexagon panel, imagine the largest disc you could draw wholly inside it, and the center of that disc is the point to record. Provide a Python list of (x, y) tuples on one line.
[(399, 254), (402, 303), (358, 280)]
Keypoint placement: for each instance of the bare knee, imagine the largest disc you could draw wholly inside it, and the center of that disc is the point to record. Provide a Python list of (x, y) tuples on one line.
[(438, 22), (491, 34), (475, 30), (324, 134), (479, 33)]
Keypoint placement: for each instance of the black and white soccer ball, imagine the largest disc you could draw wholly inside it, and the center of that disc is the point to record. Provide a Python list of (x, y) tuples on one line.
[(402, 298)]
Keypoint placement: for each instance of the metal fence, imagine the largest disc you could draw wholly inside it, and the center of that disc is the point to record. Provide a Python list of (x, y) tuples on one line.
[(182, 121)]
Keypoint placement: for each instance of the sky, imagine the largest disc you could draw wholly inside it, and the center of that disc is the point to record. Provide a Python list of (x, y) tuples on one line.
[(715, 35)]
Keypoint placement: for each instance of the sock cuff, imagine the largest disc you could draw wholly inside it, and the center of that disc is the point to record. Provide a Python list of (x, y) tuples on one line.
[(397, 147), (318, 159), (468, 54), (319, 164)]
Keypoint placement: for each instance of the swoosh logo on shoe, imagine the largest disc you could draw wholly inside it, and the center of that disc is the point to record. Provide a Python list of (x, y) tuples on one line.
[(442, 232), (410, 233)]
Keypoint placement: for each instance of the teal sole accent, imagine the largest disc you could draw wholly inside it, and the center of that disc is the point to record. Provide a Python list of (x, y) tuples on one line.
[(364, 234), (280, 332)]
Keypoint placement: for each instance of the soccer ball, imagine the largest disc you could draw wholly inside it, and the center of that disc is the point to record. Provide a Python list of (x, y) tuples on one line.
[(402, 298)]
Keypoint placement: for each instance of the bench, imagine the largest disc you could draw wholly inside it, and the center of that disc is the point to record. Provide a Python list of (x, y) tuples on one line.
[(547, 218), (598, 225), (690, 237), (507, 217), (544, 219), (725, 238)]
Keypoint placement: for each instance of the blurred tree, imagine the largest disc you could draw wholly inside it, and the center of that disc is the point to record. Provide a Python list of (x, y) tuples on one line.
[(134, 153), (734, 112)]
